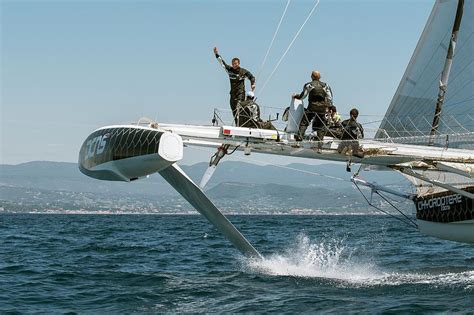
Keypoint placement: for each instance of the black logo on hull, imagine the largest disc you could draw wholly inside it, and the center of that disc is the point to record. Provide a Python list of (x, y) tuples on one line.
[(112, 144), (445, 207)]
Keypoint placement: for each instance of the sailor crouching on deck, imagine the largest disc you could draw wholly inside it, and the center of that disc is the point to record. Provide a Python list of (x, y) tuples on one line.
[(351, 132), (319, 99), (248, 112), (237, 77), (334, 122)]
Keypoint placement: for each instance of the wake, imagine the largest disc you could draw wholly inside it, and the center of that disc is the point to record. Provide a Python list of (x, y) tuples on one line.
[(332, 259)]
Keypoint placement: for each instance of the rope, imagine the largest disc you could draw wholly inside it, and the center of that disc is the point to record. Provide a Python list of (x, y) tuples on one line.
[(281, 166), (289, 46), (308, 172), (273, 39), (404, 215), (409, 223)]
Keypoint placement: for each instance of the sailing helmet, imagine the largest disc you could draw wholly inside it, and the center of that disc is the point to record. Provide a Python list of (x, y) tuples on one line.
[(250, 94)]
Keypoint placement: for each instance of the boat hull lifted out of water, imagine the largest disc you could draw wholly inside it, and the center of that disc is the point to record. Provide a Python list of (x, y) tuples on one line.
[(436, 157), (126, 153)]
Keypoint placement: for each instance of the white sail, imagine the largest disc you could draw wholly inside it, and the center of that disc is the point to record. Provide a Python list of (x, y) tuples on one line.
[(439, 82), (410, 115)]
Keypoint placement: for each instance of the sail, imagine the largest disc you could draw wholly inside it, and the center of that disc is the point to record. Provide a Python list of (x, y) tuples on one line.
[(409, 117), (434, 105)]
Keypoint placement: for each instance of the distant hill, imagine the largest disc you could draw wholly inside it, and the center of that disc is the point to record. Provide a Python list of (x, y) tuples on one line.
[(66, 176), (43, 185)]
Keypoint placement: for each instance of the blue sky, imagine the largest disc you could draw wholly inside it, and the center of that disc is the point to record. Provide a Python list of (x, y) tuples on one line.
[(69, 67)]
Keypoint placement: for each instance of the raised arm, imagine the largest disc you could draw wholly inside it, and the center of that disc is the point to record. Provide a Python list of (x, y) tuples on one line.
[(220, 60)]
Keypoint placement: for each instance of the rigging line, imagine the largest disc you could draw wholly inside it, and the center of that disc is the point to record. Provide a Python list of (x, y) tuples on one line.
[(373, 115), (273, 39), (284, 167), (383, 211), (404, 215), (387, 121), (298, 170), (310, 173), (403, 126), (427, 122), (445, 125), (289, 46), (371, 122), (460, 125), (421, 132)]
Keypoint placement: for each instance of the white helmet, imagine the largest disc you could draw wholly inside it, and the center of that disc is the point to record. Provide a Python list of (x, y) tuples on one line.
[(250, 94)]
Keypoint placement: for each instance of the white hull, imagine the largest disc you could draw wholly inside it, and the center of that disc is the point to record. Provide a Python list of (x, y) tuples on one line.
[(462, 231)]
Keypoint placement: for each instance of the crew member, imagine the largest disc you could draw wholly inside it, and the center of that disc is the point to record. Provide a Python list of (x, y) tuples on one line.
[(237, 77), (352, 131), (334, 122), (248, 112), (319, 99)]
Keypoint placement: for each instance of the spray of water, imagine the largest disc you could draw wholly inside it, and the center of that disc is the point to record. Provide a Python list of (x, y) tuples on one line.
[(332, 259), (328, 259)]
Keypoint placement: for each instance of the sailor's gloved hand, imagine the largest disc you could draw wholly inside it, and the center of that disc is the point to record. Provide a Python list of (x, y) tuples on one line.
[(252, 87)]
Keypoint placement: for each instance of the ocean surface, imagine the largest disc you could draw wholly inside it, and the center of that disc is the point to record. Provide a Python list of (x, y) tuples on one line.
[(61, 263)]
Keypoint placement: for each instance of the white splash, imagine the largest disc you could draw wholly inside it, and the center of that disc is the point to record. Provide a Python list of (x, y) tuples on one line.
[(334, 260), (329, 259)]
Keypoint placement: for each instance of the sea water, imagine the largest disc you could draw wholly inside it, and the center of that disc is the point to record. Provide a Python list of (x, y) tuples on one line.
[(59, 263)]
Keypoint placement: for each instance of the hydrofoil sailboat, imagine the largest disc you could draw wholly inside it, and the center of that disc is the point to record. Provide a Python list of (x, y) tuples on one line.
[(427, 135)]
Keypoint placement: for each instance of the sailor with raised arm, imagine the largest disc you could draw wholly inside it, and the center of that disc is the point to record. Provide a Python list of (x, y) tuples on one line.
[(319, 99), (237, 77)]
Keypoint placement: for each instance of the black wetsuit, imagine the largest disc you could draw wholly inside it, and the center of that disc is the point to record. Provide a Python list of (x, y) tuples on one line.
[(319, 99), (237, 84), (352, 130)]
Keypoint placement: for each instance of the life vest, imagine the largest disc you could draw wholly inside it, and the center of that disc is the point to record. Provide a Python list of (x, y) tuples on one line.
[(317, 91), (319, 96)]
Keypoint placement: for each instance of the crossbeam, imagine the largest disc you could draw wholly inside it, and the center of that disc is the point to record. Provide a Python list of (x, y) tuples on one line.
[(437, 183), (454, 168)]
